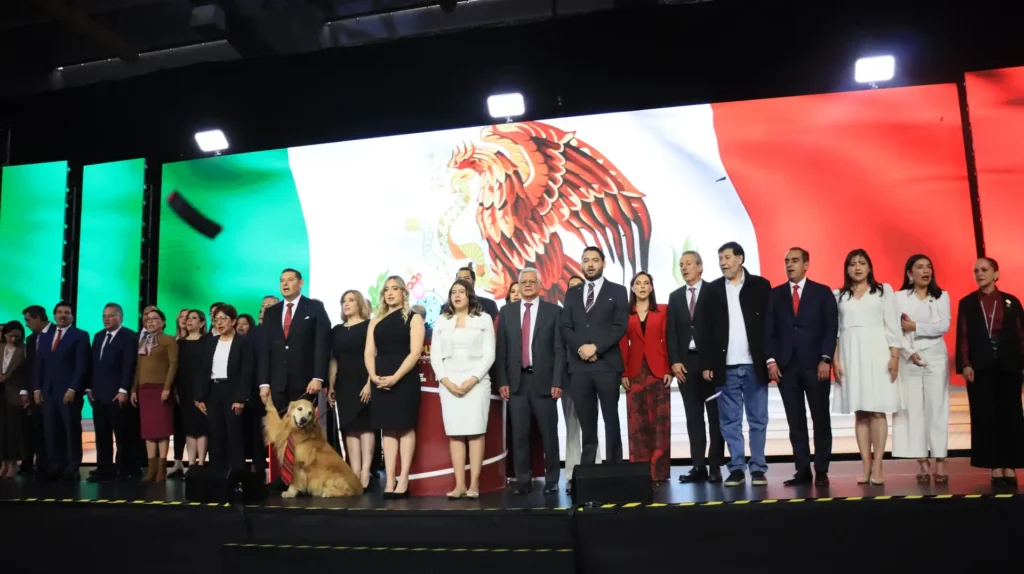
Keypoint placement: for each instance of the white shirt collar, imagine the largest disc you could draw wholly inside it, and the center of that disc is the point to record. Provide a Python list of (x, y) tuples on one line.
[(598, 283), (743, 278), (46, 329), (800, 285), (114, 332)]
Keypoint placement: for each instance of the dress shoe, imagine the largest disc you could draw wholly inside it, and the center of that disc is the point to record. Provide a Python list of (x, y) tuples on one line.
[(71, 477), (757, 478), (94, 472), (550, 489), (522, 489), (715, 475), (277, 487), (821, 479), (736, 478), (180, 473), (101, 477), (799, 479), (568, 487), (696, 474)]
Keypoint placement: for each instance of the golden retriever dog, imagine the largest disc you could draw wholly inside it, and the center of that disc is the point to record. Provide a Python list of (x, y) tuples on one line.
[(317, 470)]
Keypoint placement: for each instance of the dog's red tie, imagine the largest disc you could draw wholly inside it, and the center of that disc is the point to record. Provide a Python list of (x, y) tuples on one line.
[(289, 460)]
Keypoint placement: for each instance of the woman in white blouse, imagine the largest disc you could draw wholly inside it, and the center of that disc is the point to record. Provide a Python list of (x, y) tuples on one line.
[(921, 428), (867, 360), (461, 354)]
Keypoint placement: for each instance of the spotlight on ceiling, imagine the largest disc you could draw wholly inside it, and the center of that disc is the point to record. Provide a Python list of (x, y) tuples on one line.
[(506, 105), (874, 69), (211, 141)]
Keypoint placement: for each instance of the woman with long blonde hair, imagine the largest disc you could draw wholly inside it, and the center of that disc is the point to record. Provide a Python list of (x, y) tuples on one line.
[(350, 384), (394, 344)]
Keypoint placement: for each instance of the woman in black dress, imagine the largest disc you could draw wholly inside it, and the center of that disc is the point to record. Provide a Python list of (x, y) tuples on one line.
[(190, 373), (350, 384), (394, 344), (990, 356)]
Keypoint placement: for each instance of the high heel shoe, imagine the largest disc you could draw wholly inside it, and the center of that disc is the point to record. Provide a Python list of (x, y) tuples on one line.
[(472, 494), (876, 482), (863, 480), (457, 494)]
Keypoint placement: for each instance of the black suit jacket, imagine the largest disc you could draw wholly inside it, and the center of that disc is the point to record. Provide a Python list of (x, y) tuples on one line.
[(681, 327), (548, 351), (713, 336), (604, 327), (973, 347), (116, 370), (305, 355), (488, 306), (801, 340), (240, 369)]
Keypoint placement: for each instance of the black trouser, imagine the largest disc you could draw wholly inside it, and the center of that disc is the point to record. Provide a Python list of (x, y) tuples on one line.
[(588, 388), (796, 383), (134, 446), (179, 433), (108, 422), (525, 406), (35, 438), (997, 421), (695, 391), (227, 432), (253, 420)]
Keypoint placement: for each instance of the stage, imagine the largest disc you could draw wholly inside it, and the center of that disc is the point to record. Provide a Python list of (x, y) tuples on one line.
[(703, 526)]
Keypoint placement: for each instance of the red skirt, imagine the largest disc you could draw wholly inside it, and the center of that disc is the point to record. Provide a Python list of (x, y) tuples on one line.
[(157, 416)]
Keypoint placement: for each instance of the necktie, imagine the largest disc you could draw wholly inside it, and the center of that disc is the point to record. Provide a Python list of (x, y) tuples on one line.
[(56, 339), (526, 336), (796, 299), (289, 459), (105, 343), (590, 296), (288, 319), (693, 300)]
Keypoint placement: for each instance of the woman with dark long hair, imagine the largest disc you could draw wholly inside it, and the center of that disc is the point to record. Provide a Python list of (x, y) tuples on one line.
[(647, 378), (920, 429), (461, 355), (866, 362), (990, 356)]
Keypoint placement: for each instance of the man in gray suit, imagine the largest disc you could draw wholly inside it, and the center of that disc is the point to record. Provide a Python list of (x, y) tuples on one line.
[(528, 363)]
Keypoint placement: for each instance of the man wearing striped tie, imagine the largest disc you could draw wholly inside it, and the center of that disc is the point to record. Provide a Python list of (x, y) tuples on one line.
[(594, 319)]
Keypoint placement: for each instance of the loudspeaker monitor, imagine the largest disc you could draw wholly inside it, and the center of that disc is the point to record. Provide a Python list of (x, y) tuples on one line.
[(612, 483)]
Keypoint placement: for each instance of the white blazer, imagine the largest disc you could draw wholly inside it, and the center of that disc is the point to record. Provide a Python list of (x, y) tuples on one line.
[(932, 316), (442, 346)]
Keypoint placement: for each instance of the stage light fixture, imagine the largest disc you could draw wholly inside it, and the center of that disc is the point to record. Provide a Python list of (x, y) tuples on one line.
[(874, 69), (211, 141), (506, 105)]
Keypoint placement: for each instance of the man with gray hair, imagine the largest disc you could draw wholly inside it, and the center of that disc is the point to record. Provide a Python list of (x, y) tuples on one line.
[(112, 374), (684, 318), (528, 364)]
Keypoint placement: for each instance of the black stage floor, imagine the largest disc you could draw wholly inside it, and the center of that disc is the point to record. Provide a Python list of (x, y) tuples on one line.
[(927, 528)]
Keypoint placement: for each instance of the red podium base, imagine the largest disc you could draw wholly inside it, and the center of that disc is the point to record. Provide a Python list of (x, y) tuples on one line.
[(432, 473)]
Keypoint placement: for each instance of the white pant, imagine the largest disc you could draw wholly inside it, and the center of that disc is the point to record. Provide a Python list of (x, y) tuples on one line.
[(574, 437), (921, 429)]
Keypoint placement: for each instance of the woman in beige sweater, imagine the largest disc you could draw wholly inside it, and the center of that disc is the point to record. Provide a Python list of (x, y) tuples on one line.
[(154, 377)]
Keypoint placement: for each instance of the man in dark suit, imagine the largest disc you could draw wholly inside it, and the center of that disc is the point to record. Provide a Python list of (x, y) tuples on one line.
[(61, 367), (488, 305), (731, 341), (35, 436), (295, 347), (594, 319), (800, 338), (529, 361), (684, 318), (254, 409), (112, 372)]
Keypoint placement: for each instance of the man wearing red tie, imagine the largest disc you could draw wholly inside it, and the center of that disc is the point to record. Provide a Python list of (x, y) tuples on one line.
[(62, 362), (296, 354), (800, 338)]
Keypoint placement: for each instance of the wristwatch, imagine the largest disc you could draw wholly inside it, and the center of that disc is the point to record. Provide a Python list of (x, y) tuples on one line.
[(826, 359)]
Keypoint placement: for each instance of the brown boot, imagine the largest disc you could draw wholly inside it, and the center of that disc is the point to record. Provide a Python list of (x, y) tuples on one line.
[(161, 470), (151, 471)]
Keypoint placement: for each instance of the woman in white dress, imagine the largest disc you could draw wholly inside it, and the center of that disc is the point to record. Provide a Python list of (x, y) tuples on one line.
[(867, 360), (461, 354), (921, 428)]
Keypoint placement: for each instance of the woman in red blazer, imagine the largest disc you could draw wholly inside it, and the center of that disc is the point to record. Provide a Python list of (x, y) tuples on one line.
[(647, 378)]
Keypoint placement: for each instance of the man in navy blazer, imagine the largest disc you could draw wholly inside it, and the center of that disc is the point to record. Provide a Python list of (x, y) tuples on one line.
[(62, 365), (114, 354), (800, 338)]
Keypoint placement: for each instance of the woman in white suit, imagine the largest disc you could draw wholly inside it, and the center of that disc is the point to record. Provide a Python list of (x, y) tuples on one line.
[(461, 354), (920, 429)]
